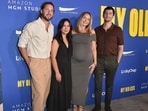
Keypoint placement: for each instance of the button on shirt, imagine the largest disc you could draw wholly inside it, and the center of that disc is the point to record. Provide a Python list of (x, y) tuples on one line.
[(108, 41), (36, 39)]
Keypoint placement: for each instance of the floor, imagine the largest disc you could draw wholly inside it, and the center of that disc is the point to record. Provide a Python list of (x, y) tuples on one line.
[(133, 103)]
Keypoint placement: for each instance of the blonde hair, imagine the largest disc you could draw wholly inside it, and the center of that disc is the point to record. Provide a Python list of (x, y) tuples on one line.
[(89, 27)]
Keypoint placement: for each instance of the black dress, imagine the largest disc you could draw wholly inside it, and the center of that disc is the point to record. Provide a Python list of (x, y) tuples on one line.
[(59, 98)]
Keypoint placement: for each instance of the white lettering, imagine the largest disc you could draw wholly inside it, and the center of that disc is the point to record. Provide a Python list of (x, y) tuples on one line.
[(19, 2), (18, 58), (14, 7), (127, 71)]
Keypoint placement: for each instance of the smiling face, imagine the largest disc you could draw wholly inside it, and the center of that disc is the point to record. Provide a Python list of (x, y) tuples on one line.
[(85, 21), (47, 12), (65, 28), (108, 15)]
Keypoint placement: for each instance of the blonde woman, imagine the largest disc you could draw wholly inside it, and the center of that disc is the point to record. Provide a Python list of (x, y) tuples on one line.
[(83, 59)]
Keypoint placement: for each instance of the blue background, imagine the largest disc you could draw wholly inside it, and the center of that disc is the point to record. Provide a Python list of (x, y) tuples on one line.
[(132, 74)]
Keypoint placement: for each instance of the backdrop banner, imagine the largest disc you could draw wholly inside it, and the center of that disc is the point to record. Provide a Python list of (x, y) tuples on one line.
[(132, 74)]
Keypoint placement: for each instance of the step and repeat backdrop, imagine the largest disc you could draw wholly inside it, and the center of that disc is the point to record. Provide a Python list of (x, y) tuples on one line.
[(132, 74)]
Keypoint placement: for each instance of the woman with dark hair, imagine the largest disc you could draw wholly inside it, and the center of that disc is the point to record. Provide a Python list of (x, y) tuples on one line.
[(59, 98)]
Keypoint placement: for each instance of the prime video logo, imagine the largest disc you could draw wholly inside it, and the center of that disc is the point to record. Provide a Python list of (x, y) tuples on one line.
[(18, 32), (68, 10), (128, 53)]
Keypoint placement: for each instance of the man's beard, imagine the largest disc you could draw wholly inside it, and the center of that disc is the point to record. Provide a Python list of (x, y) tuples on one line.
[(107, 21), (45, 18)]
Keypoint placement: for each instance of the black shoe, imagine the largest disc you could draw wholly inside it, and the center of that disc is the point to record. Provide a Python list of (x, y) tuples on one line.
[(96, 109), (107, 109)]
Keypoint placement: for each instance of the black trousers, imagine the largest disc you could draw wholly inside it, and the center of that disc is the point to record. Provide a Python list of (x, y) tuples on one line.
[(107, 65)]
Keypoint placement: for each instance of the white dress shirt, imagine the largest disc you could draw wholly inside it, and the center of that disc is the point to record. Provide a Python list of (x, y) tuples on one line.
[(36, 39)]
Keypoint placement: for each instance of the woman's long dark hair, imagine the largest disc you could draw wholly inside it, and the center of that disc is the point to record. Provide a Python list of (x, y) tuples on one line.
[(59, 33)]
